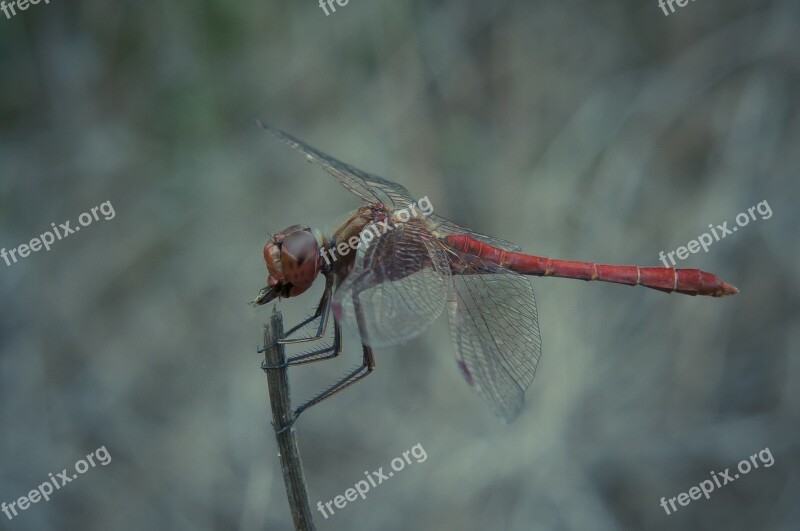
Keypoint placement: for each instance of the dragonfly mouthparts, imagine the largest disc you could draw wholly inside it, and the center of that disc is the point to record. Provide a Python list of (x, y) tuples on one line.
[(265, 295)]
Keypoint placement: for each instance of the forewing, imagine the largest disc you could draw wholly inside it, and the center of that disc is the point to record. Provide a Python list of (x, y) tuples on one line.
[(400, 282), (495, 327), (369, 187), (374, 188), (446, 227)]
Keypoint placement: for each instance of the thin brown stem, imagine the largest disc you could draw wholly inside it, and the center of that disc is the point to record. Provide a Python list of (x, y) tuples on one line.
[(280, 402)]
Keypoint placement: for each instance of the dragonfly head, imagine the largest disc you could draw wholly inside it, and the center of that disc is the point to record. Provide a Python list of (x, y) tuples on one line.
[(293, 263)]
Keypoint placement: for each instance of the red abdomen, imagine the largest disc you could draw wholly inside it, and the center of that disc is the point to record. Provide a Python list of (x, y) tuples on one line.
[(668, 279)]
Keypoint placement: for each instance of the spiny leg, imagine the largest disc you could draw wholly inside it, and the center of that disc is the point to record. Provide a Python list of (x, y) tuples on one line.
[(320, 354), (357, 374), (323, 310), (360, 372)]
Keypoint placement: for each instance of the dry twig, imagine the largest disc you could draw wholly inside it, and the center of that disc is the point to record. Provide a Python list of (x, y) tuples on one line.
[(279, 398)]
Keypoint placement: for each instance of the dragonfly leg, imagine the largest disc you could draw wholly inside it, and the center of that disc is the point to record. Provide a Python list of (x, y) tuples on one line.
[(360, 372), (320, 354), (323, 311), (357, 374)]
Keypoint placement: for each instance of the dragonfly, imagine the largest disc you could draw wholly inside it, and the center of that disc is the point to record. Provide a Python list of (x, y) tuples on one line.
[(390, 287)]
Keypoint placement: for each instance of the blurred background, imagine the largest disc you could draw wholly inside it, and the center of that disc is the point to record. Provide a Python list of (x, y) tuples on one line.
[(601, 131)]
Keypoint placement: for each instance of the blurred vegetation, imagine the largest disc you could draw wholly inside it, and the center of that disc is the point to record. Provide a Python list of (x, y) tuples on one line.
[(587, 130)]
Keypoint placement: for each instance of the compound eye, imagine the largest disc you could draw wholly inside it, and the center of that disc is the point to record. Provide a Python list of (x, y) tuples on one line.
[(300, 258), (282, 235)]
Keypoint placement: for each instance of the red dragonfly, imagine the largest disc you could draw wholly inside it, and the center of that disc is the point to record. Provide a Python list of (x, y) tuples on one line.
[(390, 287)]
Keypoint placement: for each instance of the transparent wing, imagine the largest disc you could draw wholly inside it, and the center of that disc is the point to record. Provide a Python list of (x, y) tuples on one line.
[(401, 282), (495, 328), (373, 188), (446, 227), (369, 187)]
